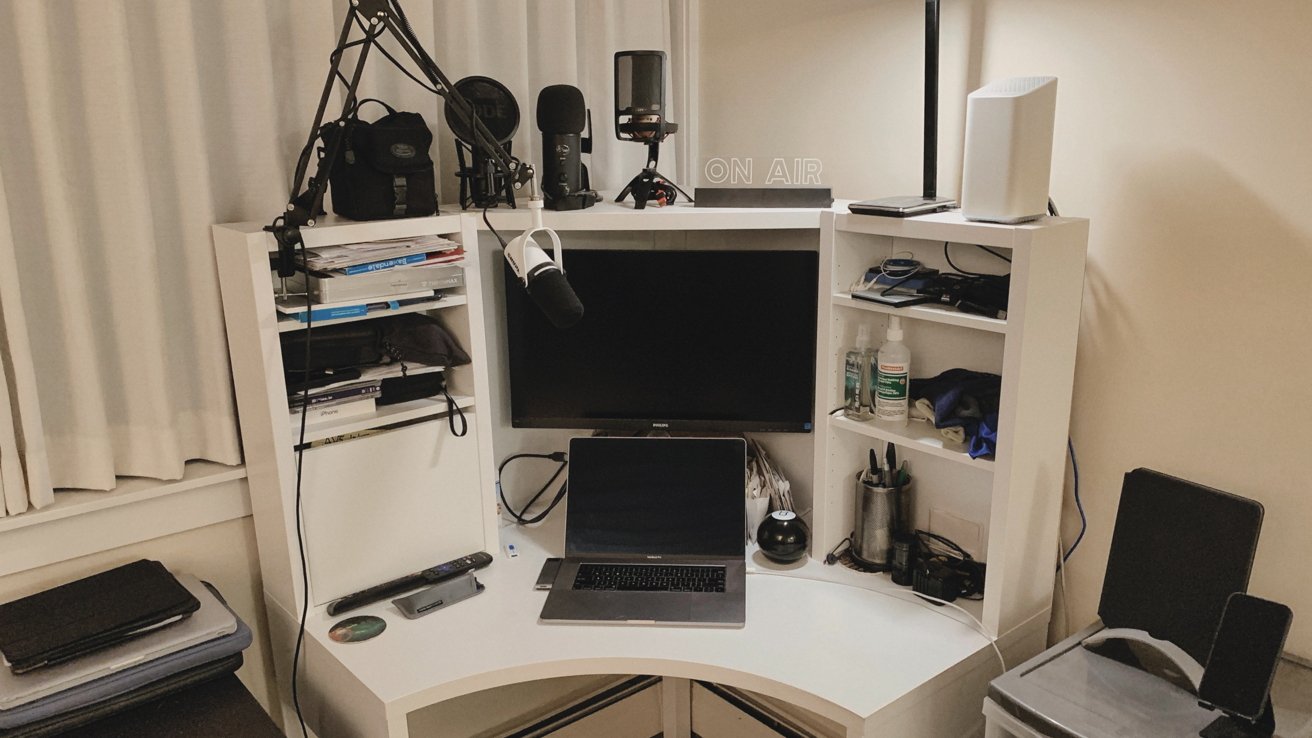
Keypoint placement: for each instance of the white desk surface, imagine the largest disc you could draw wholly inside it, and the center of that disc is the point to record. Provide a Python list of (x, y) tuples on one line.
[(843, 651)]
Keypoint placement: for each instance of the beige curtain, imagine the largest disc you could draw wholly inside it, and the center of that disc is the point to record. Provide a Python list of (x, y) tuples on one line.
[(130, 126)]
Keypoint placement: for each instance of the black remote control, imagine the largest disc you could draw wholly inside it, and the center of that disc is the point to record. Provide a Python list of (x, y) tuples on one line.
[(439, 573)]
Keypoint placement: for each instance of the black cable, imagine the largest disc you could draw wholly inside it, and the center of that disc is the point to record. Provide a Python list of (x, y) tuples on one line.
[(1079, 504), (378, 45), (487, 222), (303, 158), (521, 517), (998, 254), (837, 551), (453, 411), (300, 533), (947, 542), (948, 256)]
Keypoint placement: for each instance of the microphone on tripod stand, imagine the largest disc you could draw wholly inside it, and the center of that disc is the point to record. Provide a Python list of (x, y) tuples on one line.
[(481, 185), (640, 117), (561, 118)]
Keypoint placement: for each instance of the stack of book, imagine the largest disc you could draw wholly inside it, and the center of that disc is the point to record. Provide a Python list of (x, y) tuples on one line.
[(345, 393), (354, 279), (101, 645)]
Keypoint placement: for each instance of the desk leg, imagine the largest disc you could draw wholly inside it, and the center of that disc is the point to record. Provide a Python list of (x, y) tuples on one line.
[(676, 707)]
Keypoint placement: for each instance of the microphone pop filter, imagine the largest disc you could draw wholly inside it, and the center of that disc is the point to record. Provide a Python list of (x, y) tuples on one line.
[(553, 295), (494, 106), (561, 109)]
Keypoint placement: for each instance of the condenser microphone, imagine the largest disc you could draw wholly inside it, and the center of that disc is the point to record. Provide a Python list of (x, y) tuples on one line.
[(481, 185), (543, 277), (561, 118)]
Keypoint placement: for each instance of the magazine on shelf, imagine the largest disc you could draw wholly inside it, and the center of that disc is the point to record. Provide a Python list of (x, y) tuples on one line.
[(327, 287), (327, 258), (294, 305)]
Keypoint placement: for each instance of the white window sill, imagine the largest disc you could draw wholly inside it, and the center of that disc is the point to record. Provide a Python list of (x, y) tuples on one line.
[(84, 523)]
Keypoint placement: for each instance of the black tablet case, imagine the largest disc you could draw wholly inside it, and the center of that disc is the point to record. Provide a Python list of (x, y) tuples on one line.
[(1179, 550), (89, 614)]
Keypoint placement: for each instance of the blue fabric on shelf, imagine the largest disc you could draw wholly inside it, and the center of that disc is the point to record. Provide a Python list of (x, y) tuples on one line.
[(968, 400)]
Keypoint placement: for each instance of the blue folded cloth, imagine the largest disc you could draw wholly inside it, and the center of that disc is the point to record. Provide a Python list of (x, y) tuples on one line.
[(968, 400)]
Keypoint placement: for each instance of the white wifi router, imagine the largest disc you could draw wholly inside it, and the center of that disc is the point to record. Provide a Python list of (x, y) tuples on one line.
[(1008, 157)]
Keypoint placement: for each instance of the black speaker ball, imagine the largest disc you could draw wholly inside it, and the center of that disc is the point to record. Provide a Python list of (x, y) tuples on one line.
[(783, 537)]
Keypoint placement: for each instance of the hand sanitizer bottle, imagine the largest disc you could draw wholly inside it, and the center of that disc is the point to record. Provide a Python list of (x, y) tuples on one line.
[(892, 376), (856, 377)]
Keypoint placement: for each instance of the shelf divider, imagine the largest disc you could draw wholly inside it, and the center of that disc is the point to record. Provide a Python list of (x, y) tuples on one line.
[(287, 323), (384, 415), (924, 312), (916, 435)]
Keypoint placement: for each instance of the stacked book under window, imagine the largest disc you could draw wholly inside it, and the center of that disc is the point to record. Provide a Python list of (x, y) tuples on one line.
[(101, 645)]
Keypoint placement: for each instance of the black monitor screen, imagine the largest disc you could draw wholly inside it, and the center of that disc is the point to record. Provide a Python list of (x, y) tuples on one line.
[(678, 340), (656, 496)]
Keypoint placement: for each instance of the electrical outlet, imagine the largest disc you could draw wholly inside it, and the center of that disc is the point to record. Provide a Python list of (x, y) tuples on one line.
[(965, 533)]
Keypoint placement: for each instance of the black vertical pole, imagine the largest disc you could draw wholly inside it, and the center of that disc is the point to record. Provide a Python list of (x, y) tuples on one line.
[(931, 99)]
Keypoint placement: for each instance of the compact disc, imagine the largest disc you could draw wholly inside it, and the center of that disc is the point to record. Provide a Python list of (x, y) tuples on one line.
[(358, 628)]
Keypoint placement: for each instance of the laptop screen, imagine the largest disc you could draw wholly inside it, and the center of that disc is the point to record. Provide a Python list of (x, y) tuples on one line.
[(656, 496)]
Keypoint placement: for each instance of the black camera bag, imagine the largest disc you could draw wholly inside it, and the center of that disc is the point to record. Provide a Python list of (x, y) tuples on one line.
[(383, 169)]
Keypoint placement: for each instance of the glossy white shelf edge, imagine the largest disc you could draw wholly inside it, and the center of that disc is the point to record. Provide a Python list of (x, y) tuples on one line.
[(916, 435), (384, 415), (923, 312), (608, 215), (946, 226), (334, 229), (69, 503), (286, 324), (86, 522)]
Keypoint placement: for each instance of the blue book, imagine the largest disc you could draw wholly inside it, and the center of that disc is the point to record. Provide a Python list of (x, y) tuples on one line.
[(345, 311), (377, 266), (355, 311)]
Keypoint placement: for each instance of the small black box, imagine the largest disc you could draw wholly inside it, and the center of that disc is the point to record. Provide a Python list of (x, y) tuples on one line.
[(764, 197)]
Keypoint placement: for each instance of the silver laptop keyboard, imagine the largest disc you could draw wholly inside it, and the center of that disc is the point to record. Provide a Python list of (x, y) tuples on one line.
[(649, 578)]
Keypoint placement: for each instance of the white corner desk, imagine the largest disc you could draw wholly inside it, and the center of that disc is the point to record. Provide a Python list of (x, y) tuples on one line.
[(853, 648)]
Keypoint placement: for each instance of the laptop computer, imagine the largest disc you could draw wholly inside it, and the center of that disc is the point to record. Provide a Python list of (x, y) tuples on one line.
[(212, 620), (654, 533)]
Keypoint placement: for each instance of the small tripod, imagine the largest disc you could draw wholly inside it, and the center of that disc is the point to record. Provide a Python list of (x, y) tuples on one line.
[(651, 184)]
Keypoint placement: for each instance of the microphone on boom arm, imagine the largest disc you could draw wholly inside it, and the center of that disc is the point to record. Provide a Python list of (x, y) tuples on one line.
[(541, 275)]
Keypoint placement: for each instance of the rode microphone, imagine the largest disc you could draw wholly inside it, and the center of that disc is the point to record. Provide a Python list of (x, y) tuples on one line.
[(481, 185), (561, 118), (542, 276)]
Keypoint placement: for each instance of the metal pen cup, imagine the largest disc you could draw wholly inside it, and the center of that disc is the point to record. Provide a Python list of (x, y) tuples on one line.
[(881, 514)]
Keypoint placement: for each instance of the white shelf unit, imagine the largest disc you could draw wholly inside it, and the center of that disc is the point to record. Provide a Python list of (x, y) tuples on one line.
[(374, 506), (1004, 508), (1014, 498)]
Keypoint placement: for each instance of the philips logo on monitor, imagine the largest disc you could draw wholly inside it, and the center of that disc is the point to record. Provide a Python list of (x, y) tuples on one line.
[(660, 425)]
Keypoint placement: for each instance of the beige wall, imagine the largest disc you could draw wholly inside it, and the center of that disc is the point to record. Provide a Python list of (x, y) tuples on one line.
[(1182, 133), (223, 555)]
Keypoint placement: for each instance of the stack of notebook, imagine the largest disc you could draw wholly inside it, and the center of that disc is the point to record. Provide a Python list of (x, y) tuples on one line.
[(345, 393), (103, 644)]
